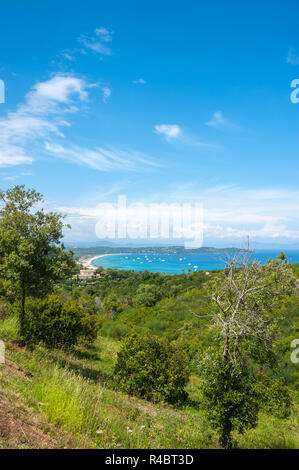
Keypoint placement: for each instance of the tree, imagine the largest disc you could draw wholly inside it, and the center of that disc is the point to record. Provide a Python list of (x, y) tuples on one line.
[(32, 256), (282, 256), (245, 296), (148, 295), (58, 324), (152, 368)]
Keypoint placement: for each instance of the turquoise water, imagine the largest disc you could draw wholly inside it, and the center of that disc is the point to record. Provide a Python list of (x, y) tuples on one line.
[(174, 263)]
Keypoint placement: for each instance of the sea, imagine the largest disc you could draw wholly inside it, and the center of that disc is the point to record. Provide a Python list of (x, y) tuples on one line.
[(178, 263)]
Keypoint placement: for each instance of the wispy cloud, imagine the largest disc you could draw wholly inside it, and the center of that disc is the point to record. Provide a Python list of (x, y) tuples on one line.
[(37, 127), (292, 57), (264, 233), (104, 34), (13, 177), (140, 81), (39, 116), (56, 95), (68, 55), (219, 121), (230, 213), (168, 131), (97, 43), (103, 159), (106, 93), (174, 133)]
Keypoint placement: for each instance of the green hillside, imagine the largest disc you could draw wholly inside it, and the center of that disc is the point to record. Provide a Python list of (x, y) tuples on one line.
[(54, 398)]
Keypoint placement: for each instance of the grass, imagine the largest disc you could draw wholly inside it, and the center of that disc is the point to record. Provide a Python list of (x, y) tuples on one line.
[(9, 328), (70, 395)]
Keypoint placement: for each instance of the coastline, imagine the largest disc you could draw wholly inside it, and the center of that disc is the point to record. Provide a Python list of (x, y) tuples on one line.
[(202, 262), (87, 262)]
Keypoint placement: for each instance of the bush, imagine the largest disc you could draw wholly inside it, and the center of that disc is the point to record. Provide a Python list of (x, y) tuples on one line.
[(227, 396), (152, 368), (274, 396), (148, 295), (115, 330), (57, 324)]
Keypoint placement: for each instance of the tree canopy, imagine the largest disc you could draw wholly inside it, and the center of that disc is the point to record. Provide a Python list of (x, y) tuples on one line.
[(32, 255)]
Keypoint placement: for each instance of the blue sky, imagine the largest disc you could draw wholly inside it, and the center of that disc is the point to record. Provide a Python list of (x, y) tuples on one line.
[(173, 101)]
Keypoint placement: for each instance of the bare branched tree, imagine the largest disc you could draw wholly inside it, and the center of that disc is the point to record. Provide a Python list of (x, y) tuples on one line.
[(245, 295)]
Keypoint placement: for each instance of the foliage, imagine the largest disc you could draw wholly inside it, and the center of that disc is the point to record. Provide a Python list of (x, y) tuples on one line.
[(228, 397), (245, 295), (58, 324), (60, 389), (274, 396), (32, 256), (152, 368), (147, 295)]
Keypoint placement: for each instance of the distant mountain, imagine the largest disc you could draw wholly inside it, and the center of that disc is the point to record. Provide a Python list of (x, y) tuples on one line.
[(79, 245), (100, 250)]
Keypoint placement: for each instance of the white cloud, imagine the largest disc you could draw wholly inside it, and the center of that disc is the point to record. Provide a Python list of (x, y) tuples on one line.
[(139, 81), (174, 133), (97, 43), (105, 34), (234, 212), (219, 121), (264, 233), (36, 128), (106, 93), (103, 159), (230, 215), (292, 57), (68, 56), (46, 97), (39, 117), (13, 155), (168, 131)]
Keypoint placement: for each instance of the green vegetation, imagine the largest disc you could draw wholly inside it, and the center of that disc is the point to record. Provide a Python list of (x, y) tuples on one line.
[(245, 295), (139, 359), (32, 256), (152, 368), (58, 324)]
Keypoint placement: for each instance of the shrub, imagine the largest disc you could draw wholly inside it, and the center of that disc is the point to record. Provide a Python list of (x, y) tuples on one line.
[(115, 330), (90, 326), (57, 324), (227, 396), (148, 295), (113, 305), (152, 368), (274, 396)]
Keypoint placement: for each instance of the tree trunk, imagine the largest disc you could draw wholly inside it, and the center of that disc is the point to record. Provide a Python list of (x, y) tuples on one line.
[(225, 438), (22, 314), (225, 441)]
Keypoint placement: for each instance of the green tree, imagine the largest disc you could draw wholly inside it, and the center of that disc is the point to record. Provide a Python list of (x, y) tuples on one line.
[(58, 324), (148, 295), (245, 319), (152, 368), (282, 256), (32, 256)]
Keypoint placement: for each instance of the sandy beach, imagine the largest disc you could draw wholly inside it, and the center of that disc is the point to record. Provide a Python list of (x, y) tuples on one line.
[(87, 262)]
